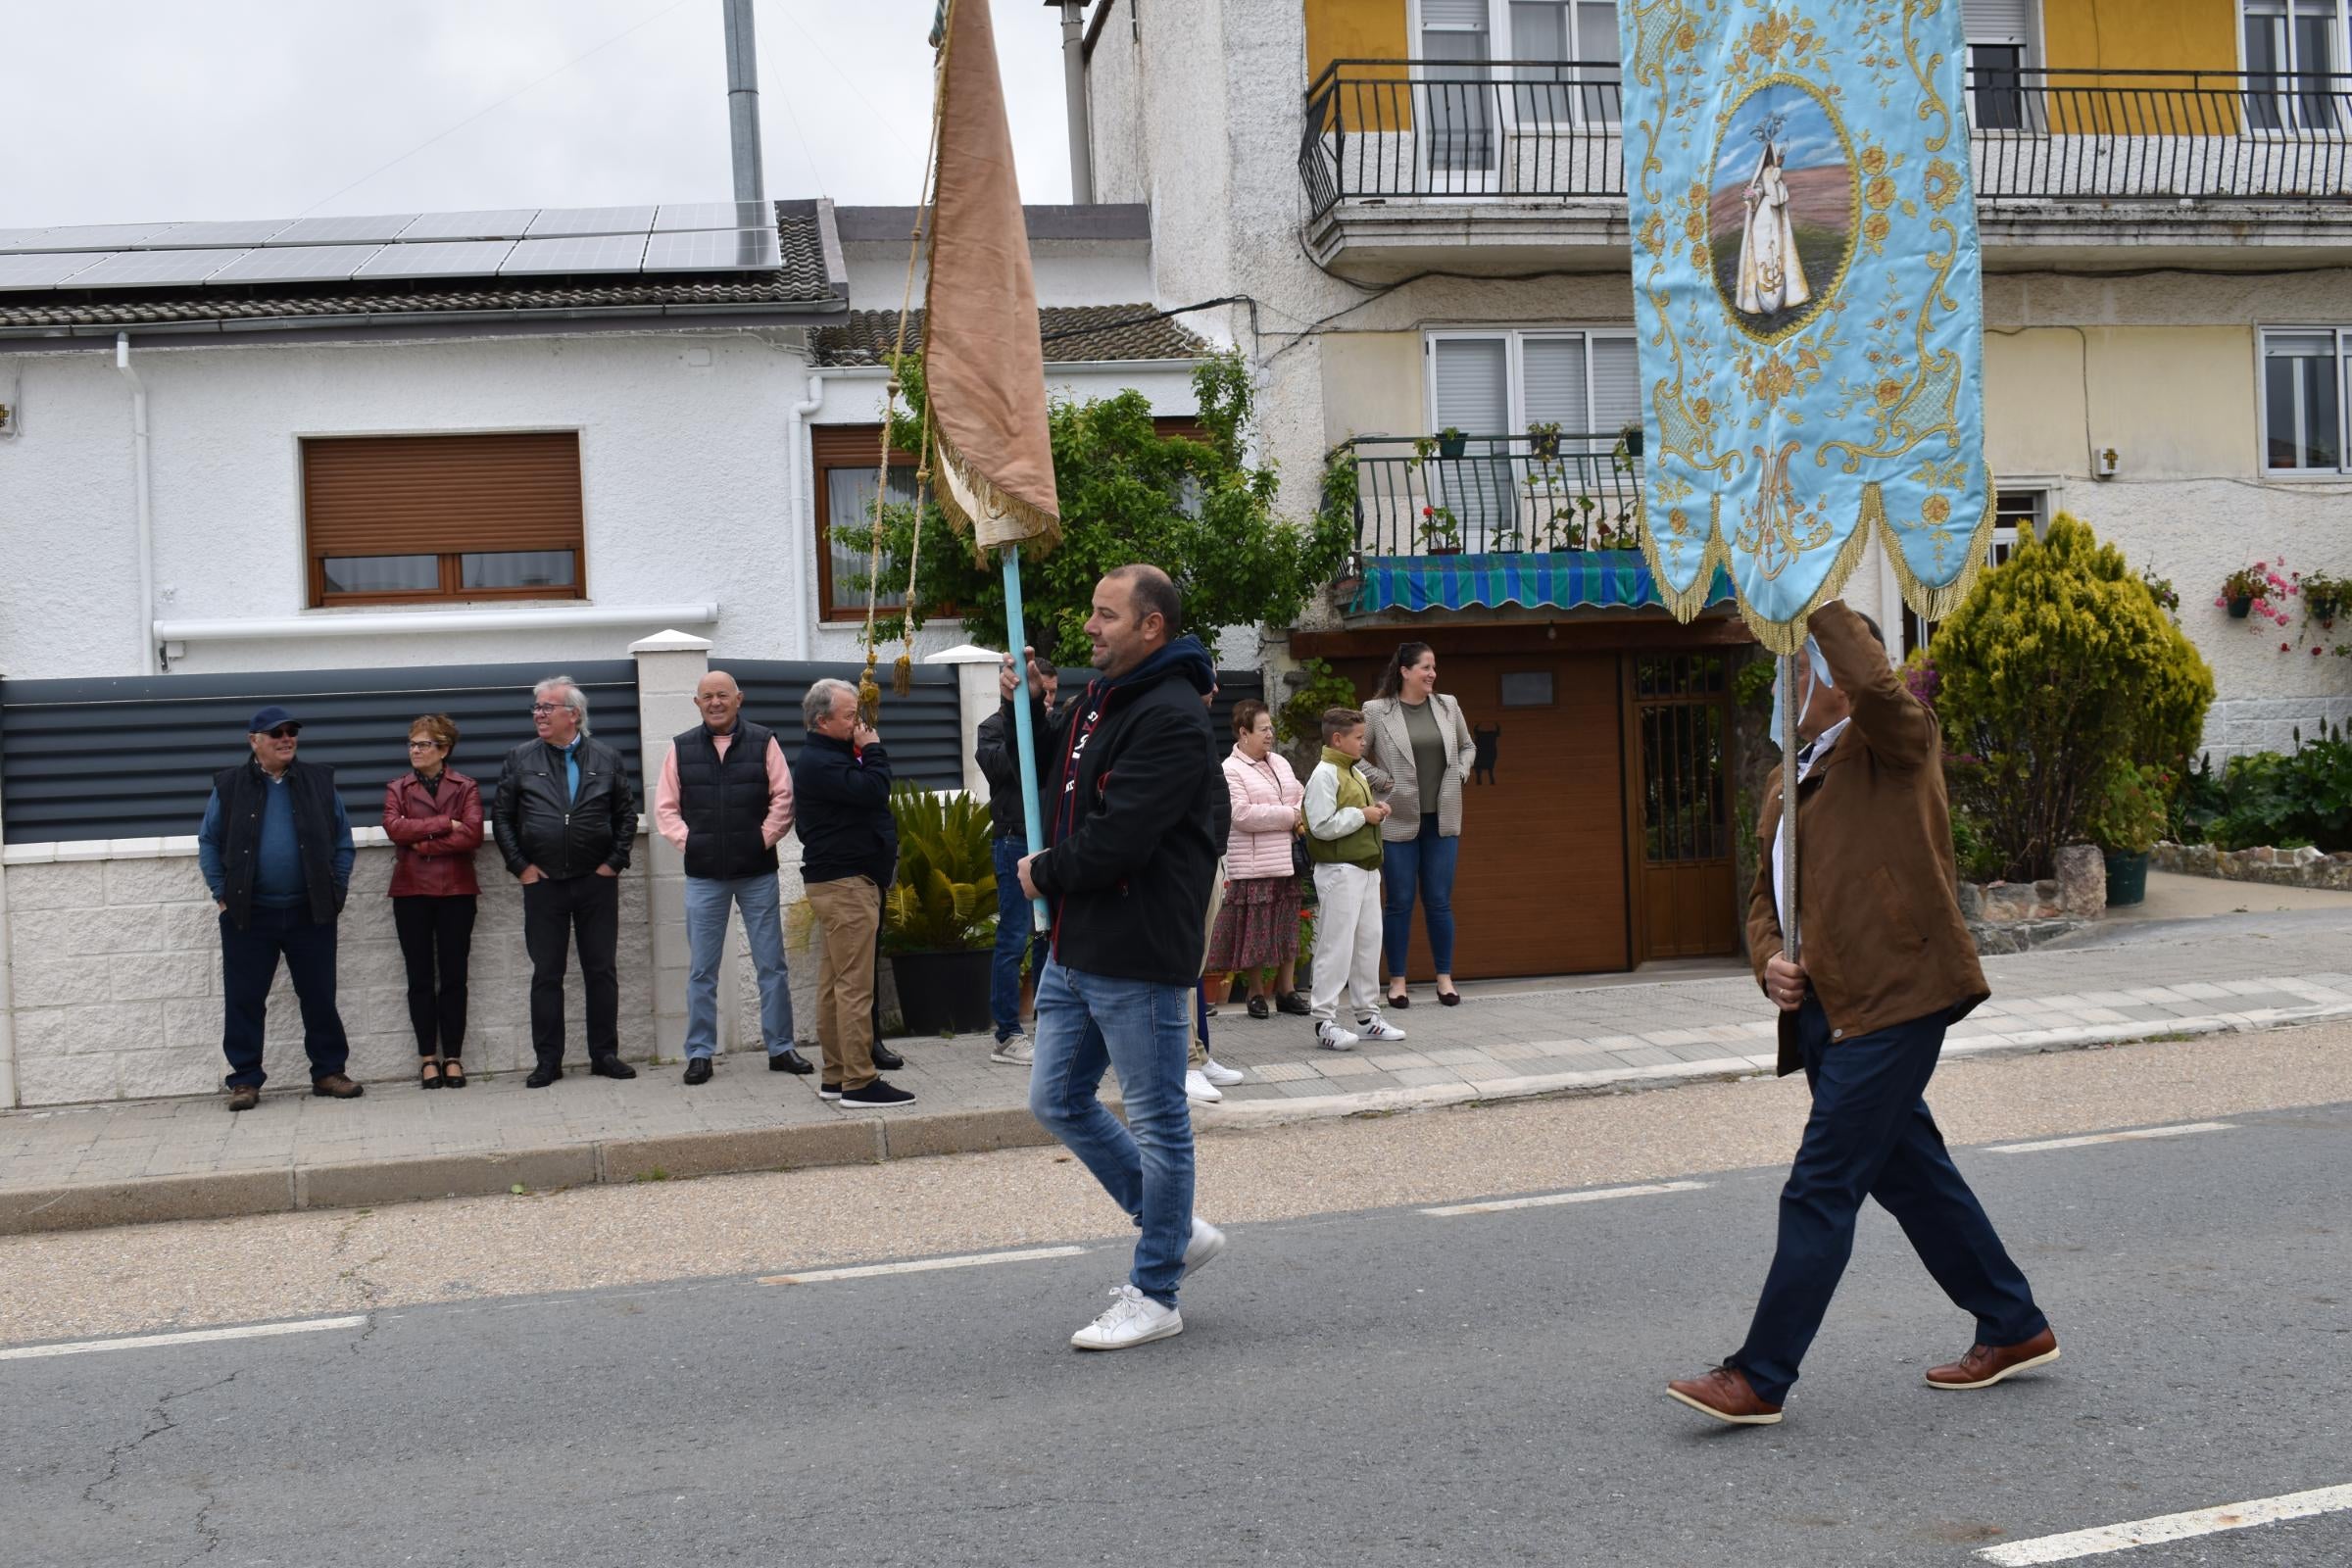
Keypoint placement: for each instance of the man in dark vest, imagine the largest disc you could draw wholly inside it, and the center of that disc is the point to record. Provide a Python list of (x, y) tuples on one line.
[(275, 849), (725, 802)]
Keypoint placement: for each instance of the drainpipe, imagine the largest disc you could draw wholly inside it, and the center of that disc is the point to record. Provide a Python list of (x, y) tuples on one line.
[(743, 103), (1073, 86), (804, 503), (149, 658)]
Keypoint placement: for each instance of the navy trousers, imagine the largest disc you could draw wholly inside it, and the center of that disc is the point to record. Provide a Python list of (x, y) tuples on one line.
[(1872, 1136), (249, 963)]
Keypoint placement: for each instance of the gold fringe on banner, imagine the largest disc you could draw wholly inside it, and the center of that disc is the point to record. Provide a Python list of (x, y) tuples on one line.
[(1787, 637), (969, 500)]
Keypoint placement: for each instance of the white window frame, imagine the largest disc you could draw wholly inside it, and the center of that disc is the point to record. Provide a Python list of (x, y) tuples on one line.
[(2030, 59), (1514, 366), (1501, 45), (2261, 402), (2339, 63), (2046, 492), (1446, 179)]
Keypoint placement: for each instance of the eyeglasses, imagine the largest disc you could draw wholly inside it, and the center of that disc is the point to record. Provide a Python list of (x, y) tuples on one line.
[(542, 709), (424, 746), (283, 733)]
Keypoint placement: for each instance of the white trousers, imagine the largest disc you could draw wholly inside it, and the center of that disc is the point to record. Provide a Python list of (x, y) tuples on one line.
[(1346, 939)]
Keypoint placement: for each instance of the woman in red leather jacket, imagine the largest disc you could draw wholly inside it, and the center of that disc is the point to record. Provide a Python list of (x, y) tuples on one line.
[(434, 815)]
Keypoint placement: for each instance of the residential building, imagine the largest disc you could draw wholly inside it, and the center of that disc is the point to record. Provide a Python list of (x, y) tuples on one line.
[(1423, 203)]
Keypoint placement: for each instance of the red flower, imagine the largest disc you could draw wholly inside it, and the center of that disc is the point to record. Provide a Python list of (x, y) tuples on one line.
[(2282, 648), (1428, 512)]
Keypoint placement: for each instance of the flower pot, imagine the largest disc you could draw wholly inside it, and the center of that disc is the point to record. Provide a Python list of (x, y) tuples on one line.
[(1545, 446), (1452, 446), (2240, 608), (2127, 878), (1442, 550), (1632, 439), (944, 992)]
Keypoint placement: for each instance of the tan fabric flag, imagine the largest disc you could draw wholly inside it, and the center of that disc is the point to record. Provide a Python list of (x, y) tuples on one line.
[(982, 360)]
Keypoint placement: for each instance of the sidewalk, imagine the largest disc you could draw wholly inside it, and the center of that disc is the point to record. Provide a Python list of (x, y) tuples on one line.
[(148, 1161)]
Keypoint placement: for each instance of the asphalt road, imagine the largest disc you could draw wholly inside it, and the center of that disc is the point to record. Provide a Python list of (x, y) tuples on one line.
[(1366, 1388)]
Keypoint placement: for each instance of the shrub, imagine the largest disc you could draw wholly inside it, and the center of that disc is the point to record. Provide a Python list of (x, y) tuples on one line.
[(2283, 800), (2059, 665), (945, 897), (2129, 814)]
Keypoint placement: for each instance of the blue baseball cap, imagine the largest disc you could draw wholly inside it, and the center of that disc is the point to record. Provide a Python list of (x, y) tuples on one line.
[(271, 718)]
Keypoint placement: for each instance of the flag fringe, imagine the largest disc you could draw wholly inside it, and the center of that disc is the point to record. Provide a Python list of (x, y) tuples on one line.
[(1041, 529)]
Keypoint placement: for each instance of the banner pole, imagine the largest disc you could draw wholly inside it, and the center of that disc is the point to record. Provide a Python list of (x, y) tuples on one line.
[(1789, 940), (1024, 730)]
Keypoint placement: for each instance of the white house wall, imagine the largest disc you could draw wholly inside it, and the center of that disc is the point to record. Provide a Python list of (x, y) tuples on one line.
[(685, 468)]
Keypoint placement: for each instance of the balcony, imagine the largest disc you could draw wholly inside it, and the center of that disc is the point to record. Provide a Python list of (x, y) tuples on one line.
[(1503, 165), (1456, 522)]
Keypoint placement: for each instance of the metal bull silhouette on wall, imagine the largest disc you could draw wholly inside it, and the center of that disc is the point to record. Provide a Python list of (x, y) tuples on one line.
[(1489, 739)]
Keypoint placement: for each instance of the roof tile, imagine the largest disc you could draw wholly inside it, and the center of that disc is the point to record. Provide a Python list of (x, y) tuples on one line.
[(1072, 334)]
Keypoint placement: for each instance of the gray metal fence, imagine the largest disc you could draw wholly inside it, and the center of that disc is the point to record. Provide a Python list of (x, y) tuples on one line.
[(135, 758), (922, 731)]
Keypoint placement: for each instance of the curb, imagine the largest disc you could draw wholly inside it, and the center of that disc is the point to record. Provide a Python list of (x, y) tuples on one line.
[(225, 1194)]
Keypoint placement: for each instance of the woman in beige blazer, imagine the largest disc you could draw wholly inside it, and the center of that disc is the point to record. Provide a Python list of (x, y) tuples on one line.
[(1418, 749)]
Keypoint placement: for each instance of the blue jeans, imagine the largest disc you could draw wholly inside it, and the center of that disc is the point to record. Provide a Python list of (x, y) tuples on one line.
[(1872, 1136), (249, 963), (708, 900), (1423, 865), (1085, 1023), (1014, 932)]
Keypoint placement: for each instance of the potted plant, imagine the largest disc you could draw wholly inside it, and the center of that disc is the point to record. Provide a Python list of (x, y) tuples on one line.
[(2324, 596), (1543, 439), (1440, 532), (939, 918), (1629, 440), (2161, 589), (1451, 443), (2259, 586), (2127, 816)]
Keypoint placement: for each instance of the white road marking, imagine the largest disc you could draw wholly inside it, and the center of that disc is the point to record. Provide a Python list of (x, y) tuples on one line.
[(2089, 1139), (1589, 1196), (2170, 1527), (142, 1342), (922, 1265)]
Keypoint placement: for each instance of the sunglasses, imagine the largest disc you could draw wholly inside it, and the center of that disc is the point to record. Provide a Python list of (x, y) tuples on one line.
[(283, 733)]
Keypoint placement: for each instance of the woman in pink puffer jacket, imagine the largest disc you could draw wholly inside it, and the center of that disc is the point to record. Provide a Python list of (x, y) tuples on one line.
[(1258, 930)]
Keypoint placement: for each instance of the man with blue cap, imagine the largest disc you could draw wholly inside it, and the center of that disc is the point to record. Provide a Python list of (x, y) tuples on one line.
[(276, 851)]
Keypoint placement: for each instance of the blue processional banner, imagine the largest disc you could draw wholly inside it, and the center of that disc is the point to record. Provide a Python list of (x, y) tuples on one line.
[(1806, 287)]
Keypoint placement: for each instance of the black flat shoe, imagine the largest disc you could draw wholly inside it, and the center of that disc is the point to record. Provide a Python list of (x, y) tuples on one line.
[(887, 1059), (542, 1076), (452, 1073), (1259, 1008), (698, 1070), (428, 1074), (1296, 1006), (1399, 998), (611, 1067), (790, 1060), (1449, 999)]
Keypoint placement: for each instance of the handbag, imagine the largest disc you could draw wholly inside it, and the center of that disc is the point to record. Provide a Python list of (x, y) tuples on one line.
[(1302, 863)]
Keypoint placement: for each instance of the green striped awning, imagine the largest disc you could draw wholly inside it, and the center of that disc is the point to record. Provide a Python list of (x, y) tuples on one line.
[(1563, 579)]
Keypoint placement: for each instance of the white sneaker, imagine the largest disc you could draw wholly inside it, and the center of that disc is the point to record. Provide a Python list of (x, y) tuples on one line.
[(1198, 1090), (1217, 1072), (1331, 1037), (1015, 1051), (1205, 1248), (1134, 1318), (1378, 1028)]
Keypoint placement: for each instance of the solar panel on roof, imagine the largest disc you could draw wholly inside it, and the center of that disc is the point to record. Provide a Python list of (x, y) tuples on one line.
[(296, 264), (49, 271), (506, 222), (712, 214), (603, 253), (712, 250), (91, 236), (464, 257), (554, 222), (193, 237), (150, 269), (343, 230)]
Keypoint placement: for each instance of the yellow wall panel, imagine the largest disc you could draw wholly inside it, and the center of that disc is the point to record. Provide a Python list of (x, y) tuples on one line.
[(2141, 34), (2174, 402), (1361, 30)]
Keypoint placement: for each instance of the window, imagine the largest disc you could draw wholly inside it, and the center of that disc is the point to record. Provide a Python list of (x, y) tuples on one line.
[(2016, 514), (2302, 408), (397, 520), (2000, 43), (2292, 47), (1491, 386), (1583, 32), (1459, 118)]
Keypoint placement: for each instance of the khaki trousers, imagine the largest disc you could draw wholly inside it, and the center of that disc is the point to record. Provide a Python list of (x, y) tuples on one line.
[(849, 909)]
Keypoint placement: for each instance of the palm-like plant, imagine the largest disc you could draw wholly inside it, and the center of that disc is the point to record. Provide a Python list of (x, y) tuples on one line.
[(945, 900)]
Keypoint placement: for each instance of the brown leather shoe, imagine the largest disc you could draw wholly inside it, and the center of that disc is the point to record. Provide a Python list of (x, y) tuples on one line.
[(1725, 1395), (244, 1096), (1987, 1364), (334, 1086)]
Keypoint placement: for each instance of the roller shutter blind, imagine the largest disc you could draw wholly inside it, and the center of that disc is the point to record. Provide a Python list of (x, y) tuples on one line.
[(1998, 21), (442, 494)]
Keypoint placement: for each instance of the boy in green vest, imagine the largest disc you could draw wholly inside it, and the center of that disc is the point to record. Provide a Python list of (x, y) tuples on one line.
[(1343, 839)]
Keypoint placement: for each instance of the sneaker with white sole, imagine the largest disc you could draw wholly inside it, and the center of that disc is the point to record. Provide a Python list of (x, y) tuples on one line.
[(1198, 1090), (1217, 1072), (1331, 1037), (1133, 1318), (880, 1095), (1015, 1051), (1378, 1028), (1205, 1248)]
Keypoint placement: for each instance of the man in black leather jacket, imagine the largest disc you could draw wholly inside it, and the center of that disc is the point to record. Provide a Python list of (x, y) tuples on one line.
[(565, 820)]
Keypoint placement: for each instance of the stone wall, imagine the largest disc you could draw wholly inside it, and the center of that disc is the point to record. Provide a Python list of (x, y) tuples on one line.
[(2305, 867), (2015, 916)]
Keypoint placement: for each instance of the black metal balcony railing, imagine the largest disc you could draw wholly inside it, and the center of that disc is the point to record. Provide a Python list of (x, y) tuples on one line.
[(1492, 494), (1514, 128)]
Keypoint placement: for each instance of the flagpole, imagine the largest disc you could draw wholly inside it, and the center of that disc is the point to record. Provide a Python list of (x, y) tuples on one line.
[(1025, 730), (1789, 919)]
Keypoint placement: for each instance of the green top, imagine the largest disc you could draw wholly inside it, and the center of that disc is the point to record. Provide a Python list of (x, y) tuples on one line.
[(1360, 847), (1429, 749)]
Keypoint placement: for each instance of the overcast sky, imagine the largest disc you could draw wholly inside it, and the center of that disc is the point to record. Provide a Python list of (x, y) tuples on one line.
[(138, 110)]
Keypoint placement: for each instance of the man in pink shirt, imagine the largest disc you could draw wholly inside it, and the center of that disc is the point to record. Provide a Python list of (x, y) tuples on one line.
[(724, 800)]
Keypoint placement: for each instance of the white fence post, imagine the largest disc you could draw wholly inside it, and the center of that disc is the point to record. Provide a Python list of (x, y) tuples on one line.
[(8, 1003), (976, 691), (669, 665)]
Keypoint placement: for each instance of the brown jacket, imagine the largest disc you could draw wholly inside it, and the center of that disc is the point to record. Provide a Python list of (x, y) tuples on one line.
[(1881, 938)]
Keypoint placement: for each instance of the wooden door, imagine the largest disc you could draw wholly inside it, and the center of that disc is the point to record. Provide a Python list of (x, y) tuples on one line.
[(1678, 746), (1541, 884)]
